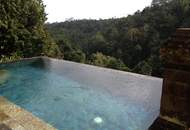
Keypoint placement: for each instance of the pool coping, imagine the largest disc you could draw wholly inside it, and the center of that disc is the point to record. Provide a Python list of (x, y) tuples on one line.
[(13, 117)]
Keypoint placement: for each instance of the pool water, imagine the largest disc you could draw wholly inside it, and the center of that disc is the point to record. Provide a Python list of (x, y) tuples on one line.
[(72, 96)]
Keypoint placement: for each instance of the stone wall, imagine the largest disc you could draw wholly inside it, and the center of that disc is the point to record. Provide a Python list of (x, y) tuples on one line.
[(175, 102)]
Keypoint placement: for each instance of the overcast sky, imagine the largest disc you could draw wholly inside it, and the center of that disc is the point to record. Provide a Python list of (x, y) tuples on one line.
[(60, 10)]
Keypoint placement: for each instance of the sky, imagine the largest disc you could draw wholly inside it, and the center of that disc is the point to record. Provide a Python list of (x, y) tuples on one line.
[(61, 10)]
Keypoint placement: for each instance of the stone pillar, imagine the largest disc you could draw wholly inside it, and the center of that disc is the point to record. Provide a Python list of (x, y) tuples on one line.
[(175, 101)]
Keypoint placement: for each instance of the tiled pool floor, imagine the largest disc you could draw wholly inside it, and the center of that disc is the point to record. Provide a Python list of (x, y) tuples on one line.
[(13, 117)]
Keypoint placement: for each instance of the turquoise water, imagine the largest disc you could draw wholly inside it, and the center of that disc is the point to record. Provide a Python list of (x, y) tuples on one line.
[(68, 104)]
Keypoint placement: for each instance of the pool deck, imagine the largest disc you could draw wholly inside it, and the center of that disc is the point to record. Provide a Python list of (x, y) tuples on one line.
[(12, 117)]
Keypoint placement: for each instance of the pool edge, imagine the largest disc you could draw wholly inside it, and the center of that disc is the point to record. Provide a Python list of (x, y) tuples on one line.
[(83, 64), (17, 118)]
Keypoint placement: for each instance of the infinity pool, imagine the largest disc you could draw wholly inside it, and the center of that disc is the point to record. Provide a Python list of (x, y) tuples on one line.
[(72, 96)]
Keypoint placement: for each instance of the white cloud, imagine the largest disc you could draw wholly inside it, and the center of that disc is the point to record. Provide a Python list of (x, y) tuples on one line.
[(59, 10)]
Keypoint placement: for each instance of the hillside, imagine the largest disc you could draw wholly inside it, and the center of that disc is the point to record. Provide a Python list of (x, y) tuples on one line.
[(131, 43)]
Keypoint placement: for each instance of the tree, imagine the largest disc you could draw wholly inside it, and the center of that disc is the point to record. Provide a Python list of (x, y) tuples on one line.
[(70, 52), (100, 59), (134, 34), (160, 2), (143, 68), (22, 28)]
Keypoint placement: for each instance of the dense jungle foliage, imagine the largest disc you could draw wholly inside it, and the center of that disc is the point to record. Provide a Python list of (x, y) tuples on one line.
[(130, 43), (22, 31)]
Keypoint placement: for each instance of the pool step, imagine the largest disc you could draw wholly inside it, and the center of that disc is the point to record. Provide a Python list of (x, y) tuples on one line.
[(12, 117)]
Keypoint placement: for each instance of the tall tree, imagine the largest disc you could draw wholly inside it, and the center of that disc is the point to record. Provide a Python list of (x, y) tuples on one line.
[(22, 28)]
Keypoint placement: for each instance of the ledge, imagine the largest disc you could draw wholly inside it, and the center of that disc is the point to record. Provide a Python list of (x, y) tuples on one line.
[(12, 117)]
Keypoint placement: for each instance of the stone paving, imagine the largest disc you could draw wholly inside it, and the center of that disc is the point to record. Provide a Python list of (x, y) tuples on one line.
[(12, 117)]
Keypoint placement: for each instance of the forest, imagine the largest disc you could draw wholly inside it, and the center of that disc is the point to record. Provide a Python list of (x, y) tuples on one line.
[(131, 43)]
